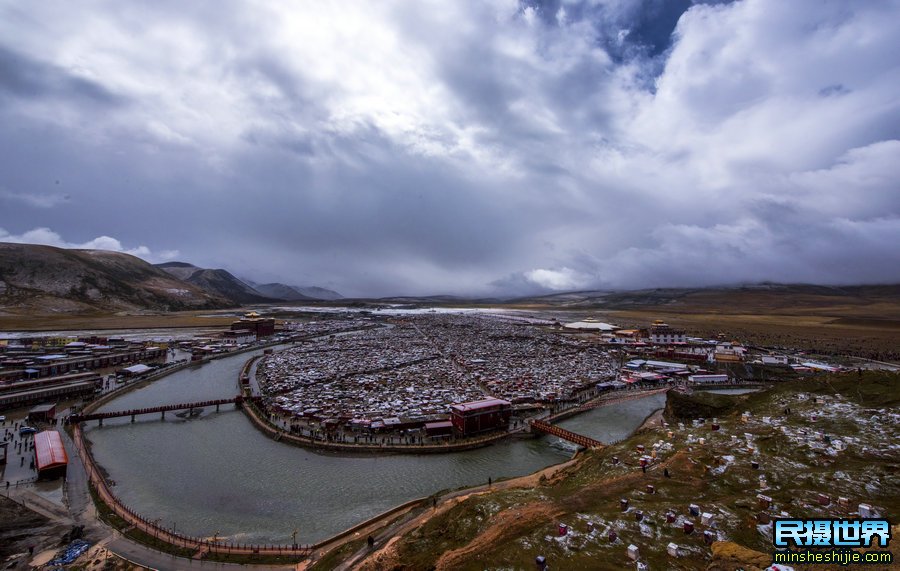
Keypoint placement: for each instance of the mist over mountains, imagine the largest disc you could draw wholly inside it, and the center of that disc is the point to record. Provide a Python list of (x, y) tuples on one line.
[(45, 280)]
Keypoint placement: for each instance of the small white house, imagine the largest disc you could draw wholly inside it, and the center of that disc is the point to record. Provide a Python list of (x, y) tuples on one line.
[(633, 553), (591, 324), (238, 337), (774, 360)]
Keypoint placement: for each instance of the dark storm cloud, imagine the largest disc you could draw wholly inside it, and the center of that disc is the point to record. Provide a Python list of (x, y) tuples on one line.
[(24, 77), (452, 147)]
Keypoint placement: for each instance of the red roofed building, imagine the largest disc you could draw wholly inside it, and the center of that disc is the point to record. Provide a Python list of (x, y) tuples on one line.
[(50, 456), (480, 416)]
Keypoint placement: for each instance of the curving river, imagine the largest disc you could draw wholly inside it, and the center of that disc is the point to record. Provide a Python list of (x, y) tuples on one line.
[(217, 474)]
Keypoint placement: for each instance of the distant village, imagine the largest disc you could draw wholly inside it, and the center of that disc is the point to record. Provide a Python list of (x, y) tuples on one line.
[(367, 372)]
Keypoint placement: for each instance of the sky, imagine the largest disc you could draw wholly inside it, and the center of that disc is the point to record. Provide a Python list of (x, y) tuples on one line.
[(490, 147)]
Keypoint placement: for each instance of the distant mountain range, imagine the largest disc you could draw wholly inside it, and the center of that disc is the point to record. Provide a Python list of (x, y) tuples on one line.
[(46, 280), (296, 293), (240, 291), (217, 282)]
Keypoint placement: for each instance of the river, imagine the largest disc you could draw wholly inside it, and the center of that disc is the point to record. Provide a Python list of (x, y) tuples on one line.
[(217, 474)]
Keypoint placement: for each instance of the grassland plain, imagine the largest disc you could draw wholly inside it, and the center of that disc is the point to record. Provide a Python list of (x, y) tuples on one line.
[(106, 321), (841, 437), (870, 338)]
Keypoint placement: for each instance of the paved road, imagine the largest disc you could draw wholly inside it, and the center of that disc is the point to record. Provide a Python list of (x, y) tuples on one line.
[(147, 557)]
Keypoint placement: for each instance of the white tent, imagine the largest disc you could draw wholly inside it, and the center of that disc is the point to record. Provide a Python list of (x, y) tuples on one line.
[(591, 325)]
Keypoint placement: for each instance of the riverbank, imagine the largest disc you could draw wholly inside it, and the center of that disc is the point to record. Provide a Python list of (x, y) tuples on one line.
[(260, 421), (144, 381), (376, 525), (196, 547), (682, 494), (181, 545), (258, 418), (440, 505), (169, 439), (603, 400)]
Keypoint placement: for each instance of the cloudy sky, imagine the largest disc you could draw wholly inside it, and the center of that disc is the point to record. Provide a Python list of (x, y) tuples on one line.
[(465, 147)]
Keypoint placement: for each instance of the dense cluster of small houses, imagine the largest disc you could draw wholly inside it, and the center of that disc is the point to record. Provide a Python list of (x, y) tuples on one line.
[(419, 366), (414, 367)]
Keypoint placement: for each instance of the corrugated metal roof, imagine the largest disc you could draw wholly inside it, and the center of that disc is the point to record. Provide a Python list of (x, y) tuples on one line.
[(43, 408), (591, 324), (49, 450), (479, 404), (137, 369), (665, 364)]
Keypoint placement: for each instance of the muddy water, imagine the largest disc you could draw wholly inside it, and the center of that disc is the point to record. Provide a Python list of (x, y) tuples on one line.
[(217, 474)]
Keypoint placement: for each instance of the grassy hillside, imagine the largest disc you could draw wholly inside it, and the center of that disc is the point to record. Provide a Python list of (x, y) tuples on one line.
[(45, 280), (838, 437)]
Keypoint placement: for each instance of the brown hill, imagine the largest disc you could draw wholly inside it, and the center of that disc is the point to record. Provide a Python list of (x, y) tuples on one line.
[(216, 282), (46, 280)]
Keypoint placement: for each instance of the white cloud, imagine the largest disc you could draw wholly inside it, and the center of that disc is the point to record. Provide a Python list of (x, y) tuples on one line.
[(561, 279), (453, 143), (48, 237)]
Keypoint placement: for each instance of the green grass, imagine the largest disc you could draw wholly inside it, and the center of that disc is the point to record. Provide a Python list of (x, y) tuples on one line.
[(158, 544), (334, 557), (700, 404)]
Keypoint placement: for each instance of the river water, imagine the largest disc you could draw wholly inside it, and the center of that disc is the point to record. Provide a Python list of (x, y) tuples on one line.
[(217, 474)]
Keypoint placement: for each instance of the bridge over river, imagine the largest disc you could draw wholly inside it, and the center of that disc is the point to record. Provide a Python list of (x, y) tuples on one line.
[(547, 425), (575, 438), (190, 407)]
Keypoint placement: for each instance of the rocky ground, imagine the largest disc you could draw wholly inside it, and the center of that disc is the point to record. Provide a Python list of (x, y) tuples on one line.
[(24, 533)]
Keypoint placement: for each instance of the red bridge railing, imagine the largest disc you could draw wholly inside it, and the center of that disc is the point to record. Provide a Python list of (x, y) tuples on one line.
[(573, 437)]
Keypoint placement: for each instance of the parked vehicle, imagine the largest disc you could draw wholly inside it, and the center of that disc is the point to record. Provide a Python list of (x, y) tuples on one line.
[(26, 430)]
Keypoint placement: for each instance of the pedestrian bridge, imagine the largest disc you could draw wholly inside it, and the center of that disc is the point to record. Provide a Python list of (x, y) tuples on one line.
[(191, 406), (573, 437)]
